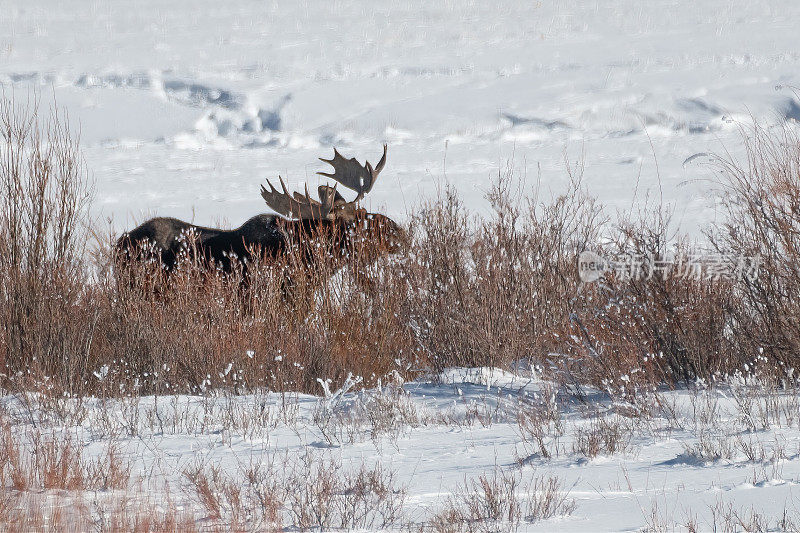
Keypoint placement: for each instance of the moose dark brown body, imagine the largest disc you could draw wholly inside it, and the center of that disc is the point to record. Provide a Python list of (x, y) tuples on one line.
[(169, 237), (331, 226), (269, 235)]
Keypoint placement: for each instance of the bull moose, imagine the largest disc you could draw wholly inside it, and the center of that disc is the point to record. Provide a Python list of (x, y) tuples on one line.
[(330, 226)]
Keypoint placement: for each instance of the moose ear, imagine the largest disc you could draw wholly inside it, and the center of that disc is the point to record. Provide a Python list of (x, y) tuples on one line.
[(326, 191)]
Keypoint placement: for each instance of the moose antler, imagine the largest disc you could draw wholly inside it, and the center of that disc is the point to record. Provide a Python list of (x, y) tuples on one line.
[(353, 175), (299, 206), (331, 206)]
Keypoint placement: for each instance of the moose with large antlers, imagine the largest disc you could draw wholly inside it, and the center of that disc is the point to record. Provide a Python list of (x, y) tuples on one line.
[(331, 225)]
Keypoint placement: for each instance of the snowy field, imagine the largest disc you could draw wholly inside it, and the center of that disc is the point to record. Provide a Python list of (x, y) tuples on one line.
[(726, 460), (184, 108)]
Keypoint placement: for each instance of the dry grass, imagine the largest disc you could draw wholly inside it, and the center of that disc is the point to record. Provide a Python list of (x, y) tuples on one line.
[(762, 202), (492, 292), (500, 502), (48, 484), (197, 330), (313, 492), (603, 435), (629, 334), (24, 512), (44, 197), (57, 464), (468, 292), (540, 426)]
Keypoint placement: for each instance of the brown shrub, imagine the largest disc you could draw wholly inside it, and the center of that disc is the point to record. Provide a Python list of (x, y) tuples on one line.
[(469, 291), (501, 502), (492, 292), (195, 329), (664, 325), (762, 206), (57, 463), (46, 326)]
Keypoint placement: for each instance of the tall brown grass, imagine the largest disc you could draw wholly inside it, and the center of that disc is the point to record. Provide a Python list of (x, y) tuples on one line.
[(662, 326), (469, 291), (195, 329), (762, 208), (489, 292), (44, 197)]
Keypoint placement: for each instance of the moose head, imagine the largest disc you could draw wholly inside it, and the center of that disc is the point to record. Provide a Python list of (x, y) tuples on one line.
[(334, 212)]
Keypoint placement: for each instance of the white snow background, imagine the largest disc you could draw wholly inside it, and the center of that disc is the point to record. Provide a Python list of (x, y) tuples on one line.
[(185, 107)]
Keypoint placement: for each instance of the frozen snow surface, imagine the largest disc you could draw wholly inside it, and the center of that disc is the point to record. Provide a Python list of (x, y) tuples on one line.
[(680, 459), (185, 107)]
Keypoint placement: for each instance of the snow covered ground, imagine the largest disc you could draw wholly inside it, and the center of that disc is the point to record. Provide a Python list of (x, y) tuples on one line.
[(186, 106), (725, 459)]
